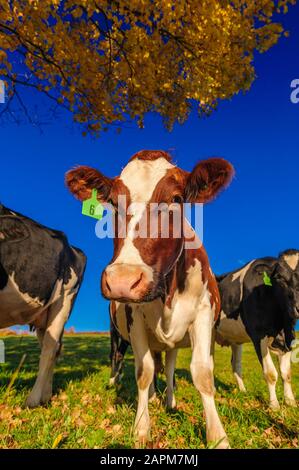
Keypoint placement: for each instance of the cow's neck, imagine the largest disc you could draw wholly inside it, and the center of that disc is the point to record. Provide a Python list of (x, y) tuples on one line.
[(186, 286)]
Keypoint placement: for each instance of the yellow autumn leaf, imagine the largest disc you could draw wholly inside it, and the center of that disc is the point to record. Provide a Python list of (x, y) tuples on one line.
[(57, 441)]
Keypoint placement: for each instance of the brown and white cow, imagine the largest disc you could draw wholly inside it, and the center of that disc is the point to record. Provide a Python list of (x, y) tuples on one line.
[(163, 295)]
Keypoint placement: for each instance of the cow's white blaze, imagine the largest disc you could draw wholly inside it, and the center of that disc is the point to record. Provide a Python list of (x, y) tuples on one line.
[(141, 178), (292, 260)]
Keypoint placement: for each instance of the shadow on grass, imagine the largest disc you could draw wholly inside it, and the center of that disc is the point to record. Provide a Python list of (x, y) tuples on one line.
[(81, 356)]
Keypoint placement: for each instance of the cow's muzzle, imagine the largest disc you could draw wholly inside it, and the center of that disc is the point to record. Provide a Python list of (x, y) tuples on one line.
[(126, 282)]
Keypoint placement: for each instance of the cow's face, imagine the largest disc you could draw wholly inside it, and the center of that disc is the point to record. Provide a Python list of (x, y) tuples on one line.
[(147, 198), (286, 278)]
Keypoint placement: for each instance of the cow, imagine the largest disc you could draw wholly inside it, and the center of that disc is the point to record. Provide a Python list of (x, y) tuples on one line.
[(163, 294), (40, 276), (118, 348), (260, 304)]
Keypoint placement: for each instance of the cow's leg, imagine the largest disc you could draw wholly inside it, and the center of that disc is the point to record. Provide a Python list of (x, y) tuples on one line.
[(58, 314), (285, 369), (158, 370), (114, 344), (117, 354), (152, 395), (237, 365), (40, 333), (201, 370), (212, 357), (144, 371), (270, 372), (169, 370)]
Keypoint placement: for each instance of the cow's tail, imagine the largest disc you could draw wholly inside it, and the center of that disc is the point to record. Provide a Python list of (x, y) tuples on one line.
[(159, 366)]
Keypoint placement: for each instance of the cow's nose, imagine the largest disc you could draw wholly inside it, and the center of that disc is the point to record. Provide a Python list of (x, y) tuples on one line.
[(122, 283), (125, 282)]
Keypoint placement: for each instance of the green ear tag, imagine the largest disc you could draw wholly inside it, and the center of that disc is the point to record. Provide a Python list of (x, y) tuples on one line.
[(92, 207), (267, 280)]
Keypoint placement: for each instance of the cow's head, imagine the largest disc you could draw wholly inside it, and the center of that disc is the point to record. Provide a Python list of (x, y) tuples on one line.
[(149, 188), (286, 279)]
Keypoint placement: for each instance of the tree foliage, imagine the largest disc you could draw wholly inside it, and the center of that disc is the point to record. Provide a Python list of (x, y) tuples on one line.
[(109, 61)]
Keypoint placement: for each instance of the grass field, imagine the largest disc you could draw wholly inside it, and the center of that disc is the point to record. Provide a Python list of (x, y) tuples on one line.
[(86, 413)]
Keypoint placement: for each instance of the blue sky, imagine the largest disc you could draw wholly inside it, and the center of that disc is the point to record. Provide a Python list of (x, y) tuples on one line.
[(257, 215)]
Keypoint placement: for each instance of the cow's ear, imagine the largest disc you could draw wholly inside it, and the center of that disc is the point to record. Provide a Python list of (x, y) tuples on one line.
[(207, 179), (83, 179)]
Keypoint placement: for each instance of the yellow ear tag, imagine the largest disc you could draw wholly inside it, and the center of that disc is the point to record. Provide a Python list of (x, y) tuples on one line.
[(92, 207)]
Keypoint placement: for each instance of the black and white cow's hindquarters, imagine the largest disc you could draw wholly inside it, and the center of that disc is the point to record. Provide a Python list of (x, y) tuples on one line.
[(260, 305), (50, 339), (40, 276), (269, 370)]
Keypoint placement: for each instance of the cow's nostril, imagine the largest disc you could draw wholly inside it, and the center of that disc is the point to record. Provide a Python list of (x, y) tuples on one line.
[(133, 286), (107, 285)]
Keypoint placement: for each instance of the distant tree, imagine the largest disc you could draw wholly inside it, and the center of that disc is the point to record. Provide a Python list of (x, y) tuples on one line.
[(110, 61)]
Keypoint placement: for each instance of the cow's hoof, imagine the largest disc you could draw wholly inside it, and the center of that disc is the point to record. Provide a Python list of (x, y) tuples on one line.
[(32, 401), (112, 381), (171, 404), (142, 438), (274, 406), (141, 442), (221, 443), (153, 398), (291, 402)]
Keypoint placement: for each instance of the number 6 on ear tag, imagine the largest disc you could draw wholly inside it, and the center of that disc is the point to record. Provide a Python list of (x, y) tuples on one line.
[(92, 207)]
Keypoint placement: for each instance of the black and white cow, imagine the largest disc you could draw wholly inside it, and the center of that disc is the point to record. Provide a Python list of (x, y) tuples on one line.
[(40, 275), (260, 303), (118, 350)]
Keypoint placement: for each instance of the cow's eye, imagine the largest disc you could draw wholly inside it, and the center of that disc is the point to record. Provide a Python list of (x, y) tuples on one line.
[(177, 199)]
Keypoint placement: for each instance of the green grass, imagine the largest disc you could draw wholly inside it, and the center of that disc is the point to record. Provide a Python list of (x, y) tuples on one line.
[(85, 412)]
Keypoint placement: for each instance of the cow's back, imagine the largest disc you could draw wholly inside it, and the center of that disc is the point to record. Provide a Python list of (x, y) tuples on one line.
[(34, 265)]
